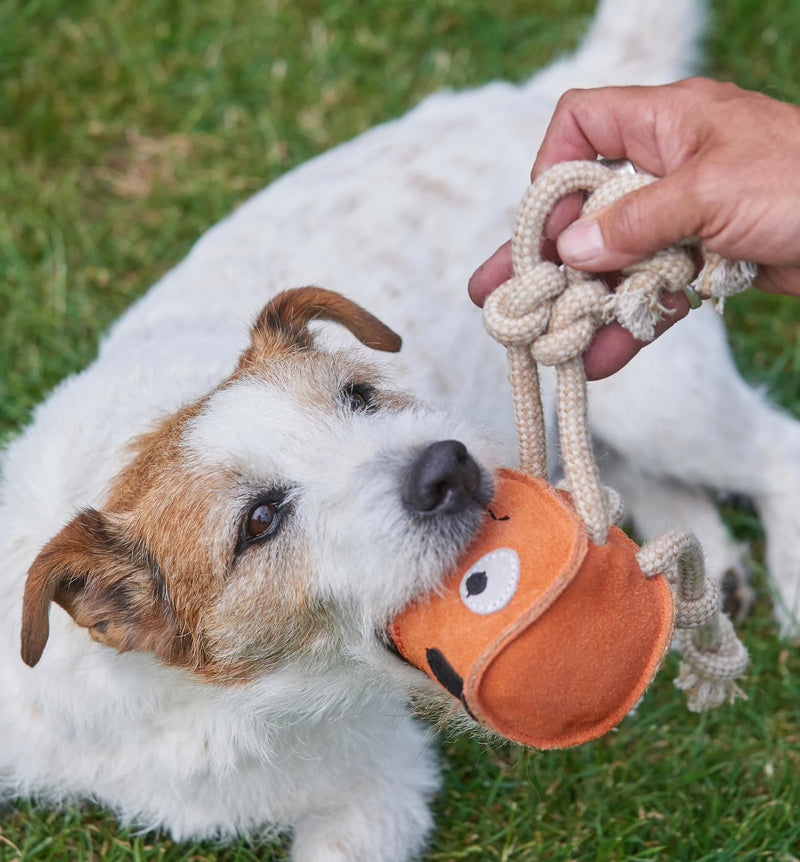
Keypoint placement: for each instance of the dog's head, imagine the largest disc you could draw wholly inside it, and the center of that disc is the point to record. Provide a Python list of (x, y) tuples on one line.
[(290, 512)]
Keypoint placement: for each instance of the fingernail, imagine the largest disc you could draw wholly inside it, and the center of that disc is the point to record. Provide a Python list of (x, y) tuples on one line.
[(581, 242)]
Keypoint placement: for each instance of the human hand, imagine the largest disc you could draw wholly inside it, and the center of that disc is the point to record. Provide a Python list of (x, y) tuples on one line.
[(728, 161)]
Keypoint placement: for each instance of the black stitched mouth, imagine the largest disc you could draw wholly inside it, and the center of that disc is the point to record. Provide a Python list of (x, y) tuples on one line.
[(445, 672), (440, 668), (447, 675)]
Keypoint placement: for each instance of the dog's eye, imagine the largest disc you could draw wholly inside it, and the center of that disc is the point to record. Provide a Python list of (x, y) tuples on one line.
[(490, 583), (356, 397), (261, 520)]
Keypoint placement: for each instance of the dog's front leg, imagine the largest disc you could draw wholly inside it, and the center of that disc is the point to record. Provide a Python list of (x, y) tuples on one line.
[(378, 807)]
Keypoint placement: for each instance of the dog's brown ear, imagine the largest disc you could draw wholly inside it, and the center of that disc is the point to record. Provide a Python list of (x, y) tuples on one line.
[(91, 571), (283, 322)]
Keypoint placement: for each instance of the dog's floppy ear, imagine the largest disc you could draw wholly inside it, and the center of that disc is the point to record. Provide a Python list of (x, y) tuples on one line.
[(91, 571), (284, 322)]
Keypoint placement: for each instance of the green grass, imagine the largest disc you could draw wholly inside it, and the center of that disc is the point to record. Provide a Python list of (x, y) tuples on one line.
[(127, 127)]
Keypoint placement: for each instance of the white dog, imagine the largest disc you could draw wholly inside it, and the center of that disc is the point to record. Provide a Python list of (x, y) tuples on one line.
[(218, 525)]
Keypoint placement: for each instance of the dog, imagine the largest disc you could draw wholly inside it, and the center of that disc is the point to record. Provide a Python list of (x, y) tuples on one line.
[(206, 532)]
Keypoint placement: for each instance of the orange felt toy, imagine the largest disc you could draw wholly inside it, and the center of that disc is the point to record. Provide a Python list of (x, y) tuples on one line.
[(545, 637)]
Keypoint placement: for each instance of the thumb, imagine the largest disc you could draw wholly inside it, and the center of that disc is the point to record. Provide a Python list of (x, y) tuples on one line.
[(635, 226)]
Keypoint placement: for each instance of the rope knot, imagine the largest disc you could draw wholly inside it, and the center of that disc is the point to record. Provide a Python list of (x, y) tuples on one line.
[(574, 319), (518, 312), (637, 300)]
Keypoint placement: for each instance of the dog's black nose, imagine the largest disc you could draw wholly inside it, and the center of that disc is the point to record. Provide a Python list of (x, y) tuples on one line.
[(443, 479)]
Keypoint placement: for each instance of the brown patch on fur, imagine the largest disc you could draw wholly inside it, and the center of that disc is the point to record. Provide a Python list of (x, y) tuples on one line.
[(154, 451)]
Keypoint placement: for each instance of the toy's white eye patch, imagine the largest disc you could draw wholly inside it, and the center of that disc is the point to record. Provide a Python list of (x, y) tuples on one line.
[(490, 583)]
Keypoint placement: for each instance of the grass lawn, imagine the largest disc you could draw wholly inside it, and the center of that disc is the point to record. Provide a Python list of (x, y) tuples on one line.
[(127, 127)]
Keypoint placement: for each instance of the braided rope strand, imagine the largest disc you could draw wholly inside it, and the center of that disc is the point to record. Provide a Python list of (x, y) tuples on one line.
[(524, 376), (580, 465)]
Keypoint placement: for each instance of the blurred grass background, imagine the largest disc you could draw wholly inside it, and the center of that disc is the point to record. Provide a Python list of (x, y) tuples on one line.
[(127, 127)]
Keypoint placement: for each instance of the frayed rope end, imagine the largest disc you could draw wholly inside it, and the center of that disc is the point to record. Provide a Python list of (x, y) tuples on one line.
[(704, 694), (708, 676)]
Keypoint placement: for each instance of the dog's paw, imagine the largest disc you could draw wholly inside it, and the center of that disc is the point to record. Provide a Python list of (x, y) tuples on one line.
[(737, 591), (352, 836), (786, 608), (313, 851), (376, 809)]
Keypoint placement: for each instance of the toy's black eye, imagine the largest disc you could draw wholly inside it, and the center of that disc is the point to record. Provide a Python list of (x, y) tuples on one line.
[(356, 397), (490, 583)]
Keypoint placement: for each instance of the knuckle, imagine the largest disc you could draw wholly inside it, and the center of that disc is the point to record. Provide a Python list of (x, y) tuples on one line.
[(570, 98), (704, 90)]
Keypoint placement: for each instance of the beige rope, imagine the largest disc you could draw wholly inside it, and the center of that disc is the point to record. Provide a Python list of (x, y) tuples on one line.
[(713, 656), (549, 314)]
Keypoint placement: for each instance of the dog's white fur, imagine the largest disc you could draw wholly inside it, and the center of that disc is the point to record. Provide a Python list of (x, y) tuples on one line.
[(257, 718)]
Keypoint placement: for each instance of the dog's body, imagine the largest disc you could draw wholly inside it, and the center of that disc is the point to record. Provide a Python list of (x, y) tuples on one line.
[(238, 564)]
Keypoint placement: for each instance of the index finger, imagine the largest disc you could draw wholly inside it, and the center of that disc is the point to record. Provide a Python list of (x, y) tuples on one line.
[(566, 140), (615, 122)]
